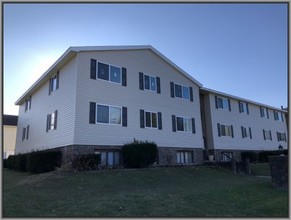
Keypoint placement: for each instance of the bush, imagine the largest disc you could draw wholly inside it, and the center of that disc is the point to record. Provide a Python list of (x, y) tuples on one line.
[(253, 156), (263, 155), (20, 162), (11, 162), (43, 161), (5, 163), (87, 162), (139, 154)]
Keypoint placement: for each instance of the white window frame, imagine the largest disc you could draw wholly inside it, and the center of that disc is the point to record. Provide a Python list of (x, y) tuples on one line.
[(281, 136), (278, 116), (182, 91), (150, 82), (227, 130), (265, 114), (184, 157), (246, 131), (109, 75), (184, 124), (109, 119), (223, 102), (54, 83), (243, 107), (104, 156), (268, 134), (151, 115)]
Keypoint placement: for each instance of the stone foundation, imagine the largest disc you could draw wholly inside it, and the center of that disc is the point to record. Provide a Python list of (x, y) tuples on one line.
[(279, 171), (167, 156), (236, 154)]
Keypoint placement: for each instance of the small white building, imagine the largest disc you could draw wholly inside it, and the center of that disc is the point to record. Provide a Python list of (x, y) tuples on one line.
[(9, 135), (232, 124), (95, 99)]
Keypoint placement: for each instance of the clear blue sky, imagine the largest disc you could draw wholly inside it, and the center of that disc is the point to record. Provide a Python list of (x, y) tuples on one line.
[(239, 49)]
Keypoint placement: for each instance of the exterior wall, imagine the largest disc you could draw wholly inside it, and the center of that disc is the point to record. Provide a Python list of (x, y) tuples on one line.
[(43, 104), (9, 140), (237, 119), (104, 92)]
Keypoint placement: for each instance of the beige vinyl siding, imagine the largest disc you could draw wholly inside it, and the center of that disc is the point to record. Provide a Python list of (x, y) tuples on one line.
[(42, 104), (103, 92), (253, 120)]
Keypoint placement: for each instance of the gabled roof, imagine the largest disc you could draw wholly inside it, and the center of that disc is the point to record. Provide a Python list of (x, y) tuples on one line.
[(72, 51), (10, 120), (206, 90)]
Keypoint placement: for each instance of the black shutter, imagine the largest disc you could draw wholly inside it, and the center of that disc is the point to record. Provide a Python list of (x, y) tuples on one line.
[(242, 132), (48, 122), (264, 134), (278, 136), (141, 81), (23, 133), (92, 113), (56, 119), (270, 134), (174, 123), (193, 126), (50, 85), (239, 107), (124, 83), (142, 118), (191, 93), (250, 130), (57, 79), (285, 137), (274, 115), (218, 129), (229, 107), (27, 132), (93, 69), (267, 113), (160, 121), (261, 111), (247, 108), (26, 104), (158, 85), (232, 135), (172, 89), (216, 102), (124, 116)]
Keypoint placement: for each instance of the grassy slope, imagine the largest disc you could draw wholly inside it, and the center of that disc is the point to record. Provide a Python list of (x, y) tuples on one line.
[(192, 192), (260, 169)]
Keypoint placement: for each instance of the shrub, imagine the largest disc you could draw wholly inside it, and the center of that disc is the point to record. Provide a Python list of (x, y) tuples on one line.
[(139, 154), (87, 162), (11, 162), (5, 163), (20, 162), (264, 155), (43, 161), (253, 156)]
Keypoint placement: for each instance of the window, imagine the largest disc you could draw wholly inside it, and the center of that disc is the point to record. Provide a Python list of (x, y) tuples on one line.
[(25, 133), (278, 116), (28, 103), (108, 114), (226, 156), (150, 119), (225, 130), (108, 72), (150, 83), (281, 136), (183, 124), (51, 123), (264, 112), (222, 103), (246, 132), (110, 158), (182, 91), (243, 107), (184, 157), (267, 134), (54, 83)]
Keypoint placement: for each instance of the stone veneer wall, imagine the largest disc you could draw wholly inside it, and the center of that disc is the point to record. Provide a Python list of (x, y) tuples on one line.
[(167, 156), (236, 153)]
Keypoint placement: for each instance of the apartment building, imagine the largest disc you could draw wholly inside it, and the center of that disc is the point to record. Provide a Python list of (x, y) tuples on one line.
[(232, 124), (95, 99)]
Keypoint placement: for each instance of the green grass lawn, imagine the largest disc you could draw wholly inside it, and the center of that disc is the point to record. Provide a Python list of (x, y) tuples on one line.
[(154, 192)]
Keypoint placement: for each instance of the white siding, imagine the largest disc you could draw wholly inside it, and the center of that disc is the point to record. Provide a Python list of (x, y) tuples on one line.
[(42, 104), (253, 120), (104, 92)]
